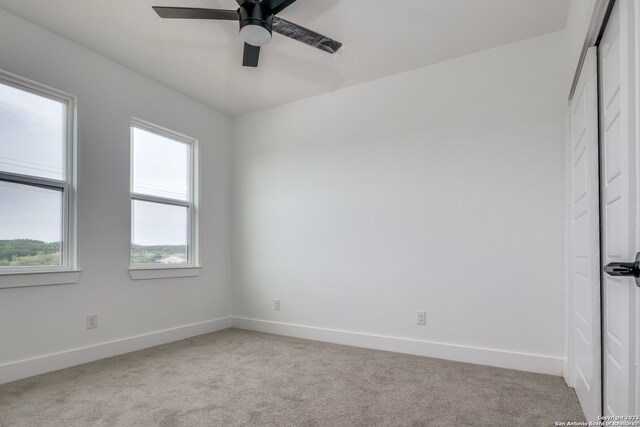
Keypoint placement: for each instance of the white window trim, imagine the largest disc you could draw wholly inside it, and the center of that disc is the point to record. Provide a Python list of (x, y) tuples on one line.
[(68, 272), (192, 268), (162, 272), (39, 278)]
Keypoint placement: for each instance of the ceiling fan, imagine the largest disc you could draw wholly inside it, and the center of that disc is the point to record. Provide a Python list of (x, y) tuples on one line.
[(257, 21)]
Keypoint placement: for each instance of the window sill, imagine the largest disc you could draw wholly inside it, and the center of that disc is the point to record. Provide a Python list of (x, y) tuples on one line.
[(38, 278), (163, 272)]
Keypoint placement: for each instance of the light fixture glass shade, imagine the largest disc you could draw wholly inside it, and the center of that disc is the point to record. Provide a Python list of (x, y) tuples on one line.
[(255, 35)]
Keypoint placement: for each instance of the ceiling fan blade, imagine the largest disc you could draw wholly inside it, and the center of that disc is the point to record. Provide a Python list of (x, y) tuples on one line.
[(278, 6), (196, 13), (296, 32), (251, 55)]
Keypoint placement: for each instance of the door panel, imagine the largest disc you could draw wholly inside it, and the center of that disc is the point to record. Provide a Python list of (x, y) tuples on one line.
[(615, 152), (585, 258), (636, 170)]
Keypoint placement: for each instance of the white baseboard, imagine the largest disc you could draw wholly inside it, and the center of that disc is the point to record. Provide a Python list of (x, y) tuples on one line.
[(52, 362), (481, 356), (503, 359)]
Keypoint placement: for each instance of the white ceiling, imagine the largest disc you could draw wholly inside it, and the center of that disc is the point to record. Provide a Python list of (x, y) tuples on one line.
[(202, 59)]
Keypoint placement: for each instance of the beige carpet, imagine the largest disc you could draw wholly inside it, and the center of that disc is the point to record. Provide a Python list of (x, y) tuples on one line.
[(236, 377)]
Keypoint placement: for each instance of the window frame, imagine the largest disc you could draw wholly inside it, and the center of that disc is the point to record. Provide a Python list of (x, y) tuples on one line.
[(192, 266), (48, 275)]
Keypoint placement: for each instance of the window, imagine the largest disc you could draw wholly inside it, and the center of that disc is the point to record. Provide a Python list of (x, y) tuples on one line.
[(36, 179), (163, 207)]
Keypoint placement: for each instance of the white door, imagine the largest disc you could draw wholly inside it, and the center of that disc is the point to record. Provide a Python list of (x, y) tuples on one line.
[(636, 72), (585, 244), (618, 210)]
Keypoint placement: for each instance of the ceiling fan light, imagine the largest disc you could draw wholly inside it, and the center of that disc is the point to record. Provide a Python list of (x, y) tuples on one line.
[(255, 35)]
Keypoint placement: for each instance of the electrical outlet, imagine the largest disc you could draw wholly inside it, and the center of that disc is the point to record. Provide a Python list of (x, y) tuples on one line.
[(276, 304), (422, 318), (92, 321)]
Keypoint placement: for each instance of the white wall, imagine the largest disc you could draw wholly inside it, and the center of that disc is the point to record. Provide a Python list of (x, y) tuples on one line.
[(440, 189), (41, 320)]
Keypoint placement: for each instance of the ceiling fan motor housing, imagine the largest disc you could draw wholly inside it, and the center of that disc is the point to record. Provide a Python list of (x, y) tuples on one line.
[(255, 14)]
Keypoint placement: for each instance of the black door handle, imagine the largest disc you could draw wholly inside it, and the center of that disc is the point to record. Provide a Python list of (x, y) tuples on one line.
[(621, 269), (625, 269)]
